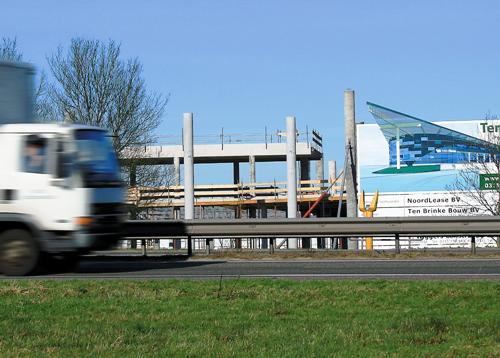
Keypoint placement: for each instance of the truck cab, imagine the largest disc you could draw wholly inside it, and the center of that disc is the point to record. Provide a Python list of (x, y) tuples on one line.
[(60, 193)]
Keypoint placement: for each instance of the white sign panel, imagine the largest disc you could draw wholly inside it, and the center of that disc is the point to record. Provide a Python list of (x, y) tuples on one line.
[(412, 190)]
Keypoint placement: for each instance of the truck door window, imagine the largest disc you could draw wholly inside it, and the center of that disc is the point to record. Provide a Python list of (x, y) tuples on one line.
[(35, 154)]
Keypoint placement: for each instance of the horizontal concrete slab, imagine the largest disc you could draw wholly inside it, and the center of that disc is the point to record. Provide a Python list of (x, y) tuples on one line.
[(229, 153)]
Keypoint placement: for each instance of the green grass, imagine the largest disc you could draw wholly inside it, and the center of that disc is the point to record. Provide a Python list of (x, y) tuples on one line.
[(263, 318)]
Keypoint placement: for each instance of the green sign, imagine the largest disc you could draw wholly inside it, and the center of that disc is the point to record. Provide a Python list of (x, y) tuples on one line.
[(489, 181)]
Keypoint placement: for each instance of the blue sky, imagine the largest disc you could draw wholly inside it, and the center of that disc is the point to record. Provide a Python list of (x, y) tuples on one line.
[(244, 65)]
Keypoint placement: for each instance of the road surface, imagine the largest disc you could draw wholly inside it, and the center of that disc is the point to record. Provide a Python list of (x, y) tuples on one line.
[(160, 268)]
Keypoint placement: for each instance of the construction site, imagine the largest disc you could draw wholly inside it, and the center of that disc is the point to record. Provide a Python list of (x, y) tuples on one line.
[(307, 192)]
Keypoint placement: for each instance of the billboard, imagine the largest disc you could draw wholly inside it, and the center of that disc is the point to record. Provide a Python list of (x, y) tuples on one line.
[(414, 164)]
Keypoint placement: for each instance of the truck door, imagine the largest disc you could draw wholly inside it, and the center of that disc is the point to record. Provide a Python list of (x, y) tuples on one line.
[(43, 195)]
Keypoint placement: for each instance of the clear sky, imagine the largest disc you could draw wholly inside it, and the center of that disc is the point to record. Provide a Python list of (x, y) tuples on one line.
[(244, 65)]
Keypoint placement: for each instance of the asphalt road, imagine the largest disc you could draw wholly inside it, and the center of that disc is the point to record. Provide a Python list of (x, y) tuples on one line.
[(158, 268)]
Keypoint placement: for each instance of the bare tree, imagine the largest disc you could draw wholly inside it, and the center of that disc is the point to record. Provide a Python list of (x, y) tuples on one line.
[(95, 86), (10, 52), (486, 200)]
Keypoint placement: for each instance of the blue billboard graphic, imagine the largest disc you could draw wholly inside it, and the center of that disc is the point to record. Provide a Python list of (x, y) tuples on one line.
[(402, 153)]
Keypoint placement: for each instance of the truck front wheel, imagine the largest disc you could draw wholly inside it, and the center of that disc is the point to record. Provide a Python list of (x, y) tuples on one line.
[(19, 253)]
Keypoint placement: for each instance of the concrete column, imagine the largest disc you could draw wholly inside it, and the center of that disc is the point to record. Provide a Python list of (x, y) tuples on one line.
[(251, 163), (177, 216), (237, 215), (350, 147), (188, 167), (133, 175), (177, 171), (332, 171), (252, 210), (305, 169), (252, 214), (263, 215), (177, 209), (332, 175), (320, 169), (291, 161), (236, 172), (133, 183)]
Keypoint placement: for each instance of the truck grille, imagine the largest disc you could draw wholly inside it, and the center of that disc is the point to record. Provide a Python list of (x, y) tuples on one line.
[(108, 217)]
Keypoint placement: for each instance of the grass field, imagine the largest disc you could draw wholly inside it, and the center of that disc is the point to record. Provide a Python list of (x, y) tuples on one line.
[(266, 318)]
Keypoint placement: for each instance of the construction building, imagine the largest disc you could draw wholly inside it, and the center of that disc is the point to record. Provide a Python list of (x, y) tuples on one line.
[(254, 199)]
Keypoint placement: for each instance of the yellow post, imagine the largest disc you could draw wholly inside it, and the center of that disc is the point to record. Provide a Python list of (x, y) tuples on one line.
[(369, 214)]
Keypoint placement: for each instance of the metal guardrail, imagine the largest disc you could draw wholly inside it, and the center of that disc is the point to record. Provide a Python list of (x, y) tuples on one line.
[(316, 227)]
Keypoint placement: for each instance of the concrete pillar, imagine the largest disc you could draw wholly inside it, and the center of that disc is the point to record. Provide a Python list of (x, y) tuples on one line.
[(321, 241), (291, 161), (332, 171), (252, 214), (350, 147), (133, 183), (177, 171), (251, 165), (263, 215), (177, 209), (236, 172), (252, 210), (177, 216), (237, 215), (320, 170), (188, 167), (305, 169), (133, 175)]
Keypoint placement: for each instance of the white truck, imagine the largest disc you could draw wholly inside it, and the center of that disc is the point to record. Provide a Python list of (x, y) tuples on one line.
[(60, 188)]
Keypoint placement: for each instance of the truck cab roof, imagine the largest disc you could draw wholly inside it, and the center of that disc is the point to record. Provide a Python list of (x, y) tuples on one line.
[(55, 127)]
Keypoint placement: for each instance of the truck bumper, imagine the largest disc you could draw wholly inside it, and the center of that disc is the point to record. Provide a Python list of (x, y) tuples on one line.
[(79, 241)]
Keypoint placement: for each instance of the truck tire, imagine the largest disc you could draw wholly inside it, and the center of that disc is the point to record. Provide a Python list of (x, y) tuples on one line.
[(19, 253)]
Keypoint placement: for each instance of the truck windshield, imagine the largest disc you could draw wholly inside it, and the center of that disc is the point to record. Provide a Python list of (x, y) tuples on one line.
[(96, 156)]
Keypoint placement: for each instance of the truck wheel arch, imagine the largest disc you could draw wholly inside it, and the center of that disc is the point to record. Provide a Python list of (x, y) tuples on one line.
[(21, 222)]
